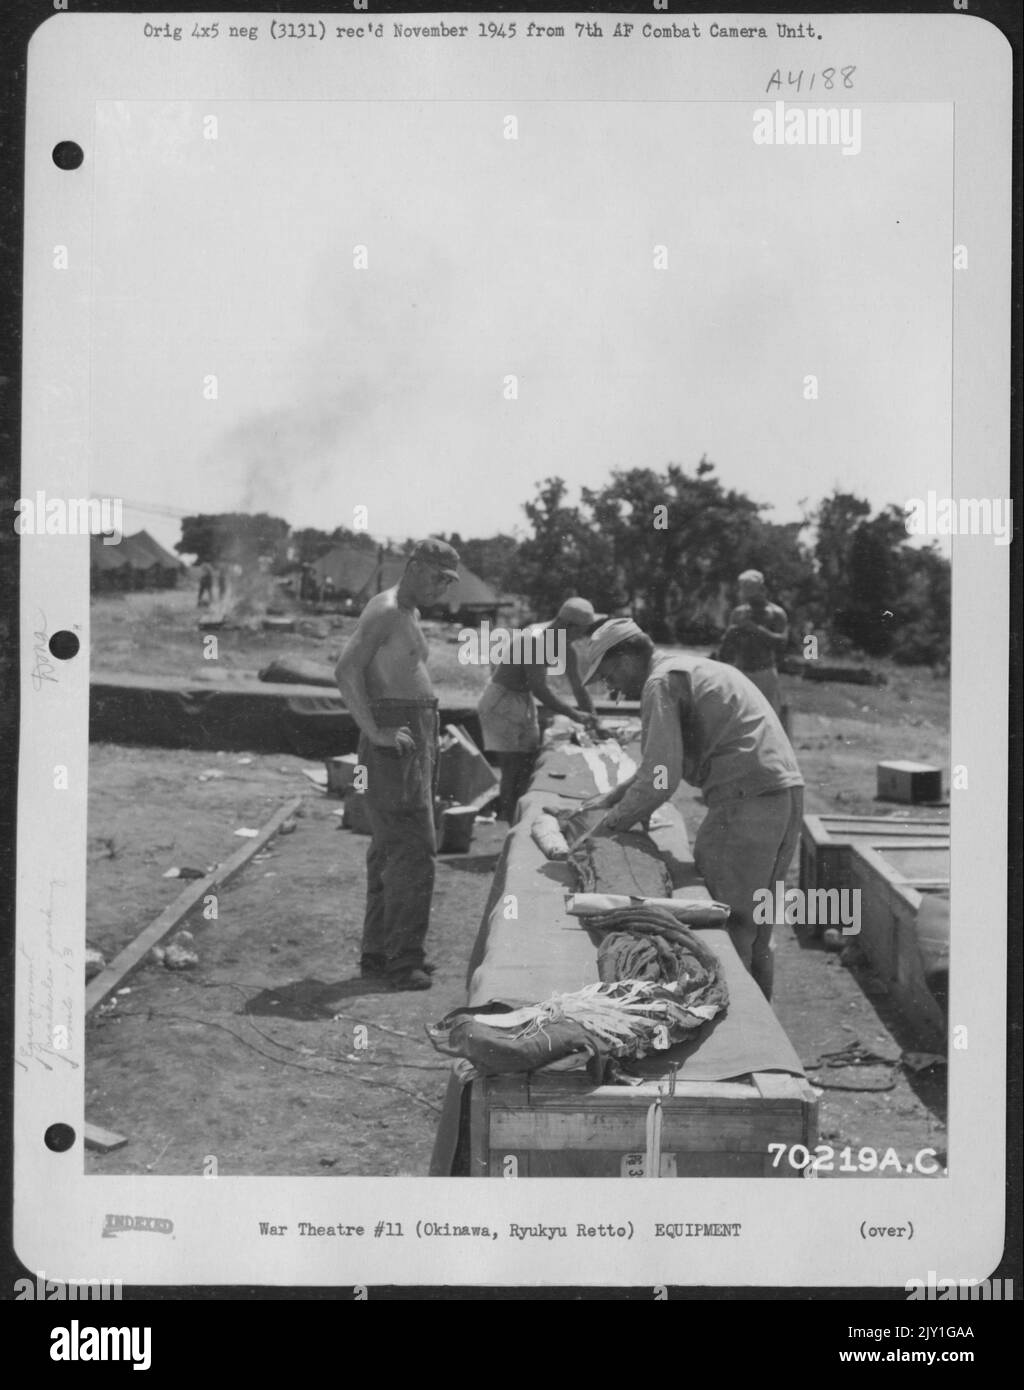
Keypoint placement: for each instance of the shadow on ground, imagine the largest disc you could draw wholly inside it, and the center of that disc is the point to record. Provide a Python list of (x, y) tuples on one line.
[(311, 999)]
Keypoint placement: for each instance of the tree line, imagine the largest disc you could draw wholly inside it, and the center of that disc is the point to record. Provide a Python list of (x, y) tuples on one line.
[(667, 547)]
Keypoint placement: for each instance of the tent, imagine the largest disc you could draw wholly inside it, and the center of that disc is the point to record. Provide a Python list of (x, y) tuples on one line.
[(349, 568), (359, 574), (136, 562)]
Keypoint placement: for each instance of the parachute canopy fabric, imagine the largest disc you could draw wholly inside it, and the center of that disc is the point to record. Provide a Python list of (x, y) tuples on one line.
[(541, 949)]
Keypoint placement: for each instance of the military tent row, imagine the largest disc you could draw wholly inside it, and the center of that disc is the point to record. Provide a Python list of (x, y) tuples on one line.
[(135, 562)]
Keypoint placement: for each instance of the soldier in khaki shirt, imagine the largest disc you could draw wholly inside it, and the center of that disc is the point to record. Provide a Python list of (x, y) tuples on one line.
[(705, 723)]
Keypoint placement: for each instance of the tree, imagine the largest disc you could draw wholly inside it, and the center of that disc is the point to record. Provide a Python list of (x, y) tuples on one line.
[(491, 559), (564, 556), (362, 540), (675, 539), (881, 594), (309, 543), (836, 520), (232, 537), (924, 616)]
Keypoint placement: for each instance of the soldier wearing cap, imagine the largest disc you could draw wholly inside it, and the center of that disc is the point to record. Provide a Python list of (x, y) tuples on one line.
[(383, 679), (508, 709), (704, 722)]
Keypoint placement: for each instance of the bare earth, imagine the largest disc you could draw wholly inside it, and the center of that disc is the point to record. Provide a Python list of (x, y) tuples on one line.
[(239, 1061)]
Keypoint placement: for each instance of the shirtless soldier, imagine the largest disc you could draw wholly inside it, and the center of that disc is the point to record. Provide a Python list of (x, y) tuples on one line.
[(382, 676), (756, 637)]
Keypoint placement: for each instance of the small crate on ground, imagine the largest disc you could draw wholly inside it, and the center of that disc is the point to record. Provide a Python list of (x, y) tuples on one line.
[(909, 782)]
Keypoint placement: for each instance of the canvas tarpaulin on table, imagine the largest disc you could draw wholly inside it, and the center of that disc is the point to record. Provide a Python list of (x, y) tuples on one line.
[(529, 948)]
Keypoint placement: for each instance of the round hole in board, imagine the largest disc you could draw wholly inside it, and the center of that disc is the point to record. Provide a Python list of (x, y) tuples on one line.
[(64, 645), (59, 1138), (68, 155)]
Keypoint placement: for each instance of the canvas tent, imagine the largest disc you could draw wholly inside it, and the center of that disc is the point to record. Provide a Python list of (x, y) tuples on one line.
[(136, 562), (349, 568), (359, 574)]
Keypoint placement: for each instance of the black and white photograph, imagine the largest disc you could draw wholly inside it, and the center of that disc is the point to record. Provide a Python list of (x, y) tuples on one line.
[(515, 524)]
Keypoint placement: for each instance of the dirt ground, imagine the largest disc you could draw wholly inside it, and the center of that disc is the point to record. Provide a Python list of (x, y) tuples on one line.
[(240, 1062)]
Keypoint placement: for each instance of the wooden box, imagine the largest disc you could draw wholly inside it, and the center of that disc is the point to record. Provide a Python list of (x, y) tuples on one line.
[(560, 1125), (464, 775), (340, 772), (356, 817), (890, 907), (919, 849), (909, 782)]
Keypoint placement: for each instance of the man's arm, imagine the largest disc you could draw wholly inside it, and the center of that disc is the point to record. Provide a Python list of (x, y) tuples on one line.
[(775, 631), (372, 632), (661, 765), (537, 680), (579, 690)]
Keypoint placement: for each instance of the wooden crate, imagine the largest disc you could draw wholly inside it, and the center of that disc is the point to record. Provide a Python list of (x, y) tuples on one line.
[(889, 909), (825, 843), (559, 1125), (909, 782)]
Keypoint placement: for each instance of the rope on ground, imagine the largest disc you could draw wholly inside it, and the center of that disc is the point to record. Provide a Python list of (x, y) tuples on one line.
[(282, 1061), (852, 1055)]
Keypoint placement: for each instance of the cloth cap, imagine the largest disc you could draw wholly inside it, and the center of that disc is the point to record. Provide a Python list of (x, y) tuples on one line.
[(576, 612), (592, 650), (751, 577), (439, 554)]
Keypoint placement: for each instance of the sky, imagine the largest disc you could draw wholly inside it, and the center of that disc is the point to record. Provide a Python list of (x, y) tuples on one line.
[(385, 387)]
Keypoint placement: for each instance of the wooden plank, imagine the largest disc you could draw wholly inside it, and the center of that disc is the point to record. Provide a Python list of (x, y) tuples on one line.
[(512, 1088), (134, 954), (103, 1141), (705, 1096), (479, 1119), (476, 781), (910, 825), (607, 1163), (484, 798), (743, 1129), (574, 1086)]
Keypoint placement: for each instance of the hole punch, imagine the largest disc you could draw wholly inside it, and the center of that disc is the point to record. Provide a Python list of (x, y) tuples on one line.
[(59, 1138), (64, 645), (68, 155)]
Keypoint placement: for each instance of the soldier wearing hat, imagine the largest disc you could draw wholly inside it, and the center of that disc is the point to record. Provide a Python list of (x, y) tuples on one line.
[(508, 707), (704, 722), (383, 679)]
